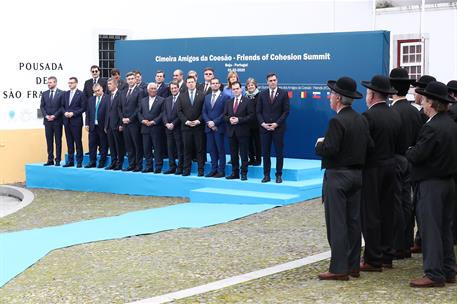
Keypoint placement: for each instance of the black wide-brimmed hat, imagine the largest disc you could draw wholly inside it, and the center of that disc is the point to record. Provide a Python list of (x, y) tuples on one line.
[(379, 83), (400, 75), (345, 86), (437, 91), (452, 86), (423, 81)]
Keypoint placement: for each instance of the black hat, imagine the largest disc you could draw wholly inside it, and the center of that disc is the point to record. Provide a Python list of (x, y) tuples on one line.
[(400, 75), (437, 91), (345, 86), (379, 83), (452, 86), (423, 81)]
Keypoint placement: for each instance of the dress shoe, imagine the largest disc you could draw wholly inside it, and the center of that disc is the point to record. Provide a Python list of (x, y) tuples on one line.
[(278, 179), (147, 170), (117, 168), (450, 280), (79, 165), (157, 170), (170, 171), (387, 265), (233, 176), (178, 172), (333, 276), (265, 179), (101, 165), (129, 168), (57, 163), (244, 177), (355, 274), (68, 165), (185, 173), (219, 175), (200, 173), (425, 282), (91, 165), (211, 174), (416, 249), (369, 268), (137, 169), (111, 167), (49, 163)]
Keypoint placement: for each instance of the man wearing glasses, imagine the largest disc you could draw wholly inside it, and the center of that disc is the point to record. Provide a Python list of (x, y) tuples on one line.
[(89, 84)]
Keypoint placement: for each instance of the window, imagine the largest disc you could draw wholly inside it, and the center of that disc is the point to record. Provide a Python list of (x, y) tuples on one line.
[(411, 57), (106, 53)]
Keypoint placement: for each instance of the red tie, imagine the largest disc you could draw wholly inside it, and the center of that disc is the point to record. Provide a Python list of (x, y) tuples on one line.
[(235, 105)]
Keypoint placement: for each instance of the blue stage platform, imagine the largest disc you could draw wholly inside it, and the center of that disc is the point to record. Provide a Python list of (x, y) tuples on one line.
[(302, 179)]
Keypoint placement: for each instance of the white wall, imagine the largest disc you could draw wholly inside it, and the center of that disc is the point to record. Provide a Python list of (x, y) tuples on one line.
[(58, 31)]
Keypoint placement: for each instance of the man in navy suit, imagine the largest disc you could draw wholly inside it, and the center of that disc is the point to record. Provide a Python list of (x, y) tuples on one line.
[(150, 116), (89, 84), (113, 127), (238, 114), (73, 105), (213, 115), (190, 106), (173, 131), (128, 111), (162, 89), (272, 111), (51, 108), (95, 124)]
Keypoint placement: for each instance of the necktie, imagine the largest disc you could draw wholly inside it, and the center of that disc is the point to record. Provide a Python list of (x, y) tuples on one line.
[(174, 101), (112, 97), (96, 108), (95, 80), (236, 104), (51, 95), (192, 97), (272, 96), (213, 100), (206, 87), (129, 92)]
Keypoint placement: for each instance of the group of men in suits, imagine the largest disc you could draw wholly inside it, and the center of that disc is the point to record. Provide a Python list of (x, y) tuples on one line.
[(383, 167), (183, 120)]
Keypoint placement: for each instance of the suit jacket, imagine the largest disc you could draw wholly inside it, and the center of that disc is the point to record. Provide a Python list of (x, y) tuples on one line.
[(155, 113), (411, 123), (183, 87), (187, 111), (113, 120), (276, 111), (128, 106), (53, 107), (201, 87), (384, 125), (122, 85), (89, 84), (170, 113), (346, 141), (163, 91), (245, 114), (143, 86), (77, 106), (101, 114), (453, 112), (216, 113), (435, 153)]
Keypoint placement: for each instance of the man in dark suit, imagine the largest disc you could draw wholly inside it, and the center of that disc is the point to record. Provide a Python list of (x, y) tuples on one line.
[(128, 111), (272, 111), (121, 84), (379, 176), (95, 125), (73, 106), (343, 151), (162, 89), (113, 127), (238, 114), (190, 105), (150, 116), (173, 131), (411, 122), (213, 115), (51, 108), (88, 85), (434, 165)]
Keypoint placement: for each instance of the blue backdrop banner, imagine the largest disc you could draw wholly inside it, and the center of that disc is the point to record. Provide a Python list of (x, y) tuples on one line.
[(302, 62)]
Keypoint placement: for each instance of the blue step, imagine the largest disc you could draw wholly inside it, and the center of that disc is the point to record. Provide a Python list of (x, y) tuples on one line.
[(293, 169), (236, 196)]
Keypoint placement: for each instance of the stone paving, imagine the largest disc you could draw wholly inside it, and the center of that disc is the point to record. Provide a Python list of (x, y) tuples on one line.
[(130, 269)]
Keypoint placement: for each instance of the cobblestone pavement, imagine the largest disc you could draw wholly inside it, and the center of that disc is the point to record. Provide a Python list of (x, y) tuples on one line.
[(135, 268)]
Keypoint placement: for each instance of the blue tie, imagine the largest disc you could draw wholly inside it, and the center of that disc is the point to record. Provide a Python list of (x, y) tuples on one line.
[(192, 97), (96, 107)]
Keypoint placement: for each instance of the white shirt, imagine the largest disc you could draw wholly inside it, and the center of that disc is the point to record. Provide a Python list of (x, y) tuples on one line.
[(151, 102), (217, 94), (72, 94)]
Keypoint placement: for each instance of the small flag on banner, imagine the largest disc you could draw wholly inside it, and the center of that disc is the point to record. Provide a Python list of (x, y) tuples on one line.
[(316, 95), (303, 94), (290, 93)]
